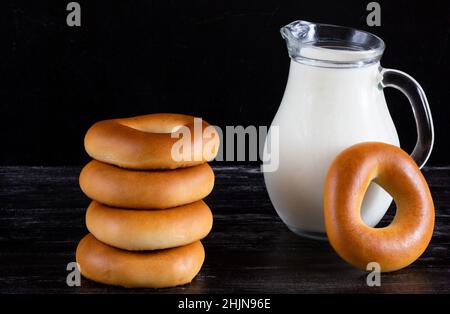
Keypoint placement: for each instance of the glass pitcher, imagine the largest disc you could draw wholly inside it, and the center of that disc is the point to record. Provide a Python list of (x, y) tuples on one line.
[(333, 99)]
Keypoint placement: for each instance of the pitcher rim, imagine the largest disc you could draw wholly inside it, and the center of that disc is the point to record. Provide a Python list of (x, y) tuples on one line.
[(330, 45)]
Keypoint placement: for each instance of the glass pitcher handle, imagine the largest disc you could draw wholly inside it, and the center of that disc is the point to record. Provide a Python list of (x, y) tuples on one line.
[(419, 103)]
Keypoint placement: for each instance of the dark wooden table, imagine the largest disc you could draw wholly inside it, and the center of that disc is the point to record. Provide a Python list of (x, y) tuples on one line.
[(248, 251)]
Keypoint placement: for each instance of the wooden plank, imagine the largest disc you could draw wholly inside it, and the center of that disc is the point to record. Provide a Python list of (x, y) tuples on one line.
[(249, 249)]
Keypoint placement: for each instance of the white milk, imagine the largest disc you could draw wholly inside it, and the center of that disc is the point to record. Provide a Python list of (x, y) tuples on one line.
[(323, 111)]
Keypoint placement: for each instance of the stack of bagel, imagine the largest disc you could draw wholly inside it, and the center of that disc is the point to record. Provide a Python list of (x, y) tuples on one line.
[(147, 216)]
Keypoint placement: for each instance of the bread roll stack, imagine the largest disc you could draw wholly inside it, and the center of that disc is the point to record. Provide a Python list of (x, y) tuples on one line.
[(147, 216)]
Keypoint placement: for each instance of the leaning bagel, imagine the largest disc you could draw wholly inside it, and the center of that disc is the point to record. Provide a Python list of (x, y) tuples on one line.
[(148, 269), (149, 229), (406, 238), (148, 142), (161, 189)]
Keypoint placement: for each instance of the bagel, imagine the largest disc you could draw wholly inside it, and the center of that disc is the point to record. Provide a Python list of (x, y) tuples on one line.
[(406, 238), (157, 189), (149, 229), (146, 142), (147, 269)]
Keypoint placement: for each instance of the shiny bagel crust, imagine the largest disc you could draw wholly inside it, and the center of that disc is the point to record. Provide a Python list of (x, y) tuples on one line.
[(158, 189), (146, 142), (146, 269), (149, 229), (397, 245)]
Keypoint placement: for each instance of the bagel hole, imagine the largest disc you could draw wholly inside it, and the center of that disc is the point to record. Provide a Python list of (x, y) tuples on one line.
[(151, 128), (388, 217), (376, 200)]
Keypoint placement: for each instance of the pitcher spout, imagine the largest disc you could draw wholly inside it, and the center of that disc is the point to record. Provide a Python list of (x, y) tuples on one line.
[(295, 34)]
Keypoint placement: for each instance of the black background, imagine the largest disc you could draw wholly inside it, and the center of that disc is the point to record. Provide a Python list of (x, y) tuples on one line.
[(222, 60)]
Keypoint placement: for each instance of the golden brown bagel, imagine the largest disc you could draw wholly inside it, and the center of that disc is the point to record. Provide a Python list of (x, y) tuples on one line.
[(406, 238), (149, 229), (147, 269), (145, 142), (157, 189)]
